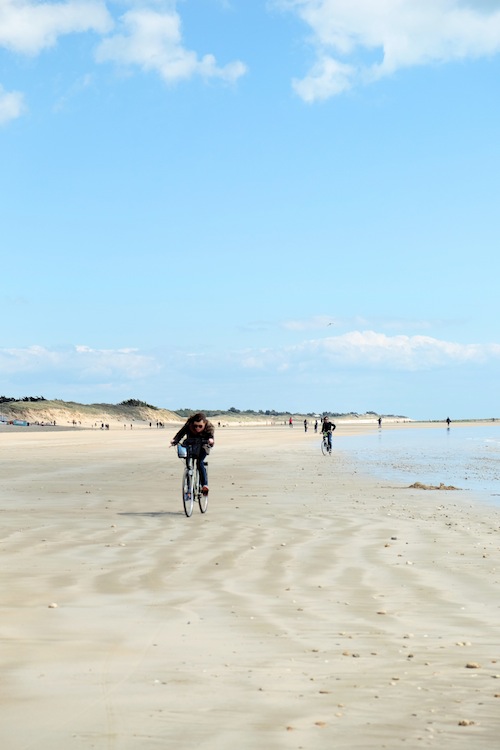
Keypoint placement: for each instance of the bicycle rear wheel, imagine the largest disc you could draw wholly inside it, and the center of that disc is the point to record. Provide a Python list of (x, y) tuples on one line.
[(187, 491)]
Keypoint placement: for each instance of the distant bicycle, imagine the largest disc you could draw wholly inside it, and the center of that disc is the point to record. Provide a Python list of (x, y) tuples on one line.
[(326, 447), (191, 486)]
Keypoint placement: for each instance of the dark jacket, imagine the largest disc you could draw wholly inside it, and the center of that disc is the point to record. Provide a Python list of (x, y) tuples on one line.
[(327, 426), (188, 432)]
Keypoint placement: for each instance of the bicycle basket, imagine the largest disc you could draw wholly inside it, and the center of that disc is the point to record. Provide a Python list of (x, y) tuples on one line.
[(181, 451), (193, 447)]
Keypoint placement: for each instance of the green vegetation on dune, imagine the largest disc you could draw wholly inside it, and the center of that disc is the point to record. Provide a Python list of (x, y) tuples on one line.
[(39, 408), (62, 412)]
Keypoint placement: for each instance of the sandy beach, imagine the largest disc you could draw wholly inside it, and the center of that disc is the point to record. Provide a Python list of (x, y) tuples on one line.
[(311, 607)]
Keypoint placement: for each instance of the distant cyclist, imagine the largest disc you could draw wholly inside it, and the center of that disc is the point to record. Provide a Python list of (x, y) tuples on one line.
[(198, 426), (327, 428)]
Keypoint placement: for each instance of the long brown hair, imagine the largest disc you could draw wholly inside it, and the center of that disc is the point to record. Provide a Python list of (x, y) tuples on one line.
[(198, 417)]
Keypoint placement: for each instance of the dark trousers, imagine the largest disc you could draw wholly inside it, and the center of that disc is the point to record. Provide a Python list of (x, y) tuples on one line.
[(202, 467)]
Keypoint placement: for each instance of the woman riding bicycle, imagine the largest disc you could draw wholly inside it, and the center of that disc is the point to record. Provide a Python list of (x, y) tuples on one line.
[(327, 428), (198, 427)]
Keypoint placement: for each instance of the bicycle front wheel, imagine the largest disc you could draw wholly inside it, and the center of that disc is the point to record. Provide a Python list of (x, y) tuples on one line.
[(202, 499), (324, 447), (187, 492)]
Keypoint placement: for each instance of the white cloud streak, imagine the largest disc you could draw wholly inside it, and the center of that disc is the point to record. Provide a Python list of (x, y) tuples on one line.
[(314, 323), (396, 34), (319, 322), (152, 40), (352, 355), (360, 350)]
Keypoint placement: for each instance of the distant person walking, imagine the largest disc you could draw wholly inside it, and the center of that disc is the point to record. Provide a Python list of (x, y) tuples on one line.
[(290, 422), (316, 426), (448, 421), (380, 421), (305, 425)]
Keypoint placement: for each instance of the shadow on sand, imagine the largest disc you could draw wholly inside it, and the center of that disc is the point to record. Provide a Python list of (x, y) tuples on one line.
[(154, 513)]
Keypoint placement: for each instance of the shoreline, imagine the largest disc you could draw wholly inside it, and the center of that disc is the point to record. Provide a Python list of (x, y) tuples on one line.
[(312, 606), (462, 458)]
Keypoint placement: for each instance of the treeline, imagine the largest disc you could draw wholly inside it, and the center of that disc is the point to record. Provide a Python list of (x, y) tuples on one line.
[(261, 413), (10, 400), (272, 413), (231, 410)]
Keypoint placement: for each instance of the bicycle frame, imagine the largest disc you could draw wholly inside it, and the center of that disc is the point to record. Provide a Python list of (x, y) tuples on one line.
[(191, 487)]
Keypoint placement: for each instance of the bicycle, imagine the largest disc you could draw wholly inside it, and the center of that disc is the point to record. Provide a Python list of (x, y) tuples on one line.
[(326, 448), (191, 486)]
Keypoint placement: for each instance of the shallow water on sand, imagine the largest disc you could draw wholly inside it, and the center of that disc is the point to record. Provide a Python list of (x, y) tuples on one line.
[(465, 457)]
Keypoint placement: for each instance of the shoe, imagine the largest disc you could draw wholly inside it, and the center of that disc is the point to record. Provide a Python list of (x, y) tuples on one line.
[(204, 490)]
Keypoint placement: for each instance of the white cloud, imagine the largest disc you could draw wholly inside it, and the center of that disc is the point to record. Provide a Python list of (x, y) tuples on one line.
[(146, 37), (29, 27), (126, 363), (328, 77), (403, 352), (11, 105), (77, 364), (366, 350), (153, 41), (394, 33)]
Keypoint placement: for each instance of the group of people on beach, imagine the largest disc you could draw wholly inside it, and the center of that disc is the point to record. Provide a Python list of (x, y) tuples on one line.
[(198, 428)]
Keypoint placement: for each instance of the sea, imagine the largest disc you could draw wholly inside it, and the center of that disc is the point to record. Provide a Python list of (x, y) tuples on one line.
[(465, 457)]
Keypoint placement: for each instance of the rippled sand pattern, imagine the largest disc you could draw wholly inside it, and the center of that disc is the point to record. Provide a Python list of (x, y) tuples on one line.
[(311, 607)]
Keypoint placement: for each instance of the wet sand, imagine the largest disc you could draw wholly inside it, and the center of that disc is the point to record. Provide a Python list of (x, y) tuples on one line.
[(312, 607)]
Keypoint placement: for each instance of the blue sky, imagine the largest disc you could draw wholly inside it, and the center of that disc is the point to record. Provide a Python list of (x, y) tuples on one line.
[(286, 204)]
